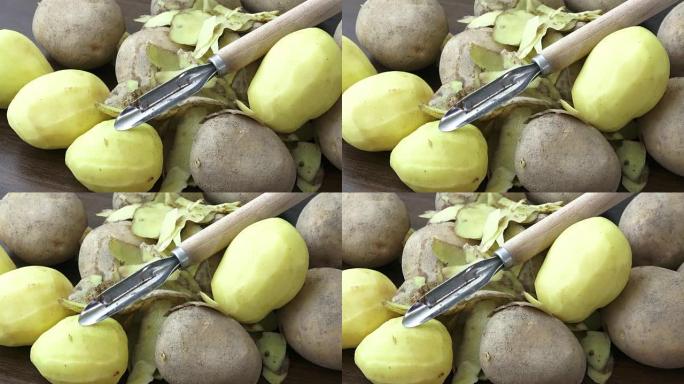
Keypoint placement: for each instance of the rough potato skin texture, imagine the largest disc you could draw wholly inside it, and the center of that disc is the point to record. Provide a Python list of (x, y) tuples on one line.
[(417, 258), (559, 153), (94, 257), (455, 63), (320, 224), (522, 345), (671, 34), (270, 5), (590, 5), (662, 128), (646, 320), (42, 228), (80, 34), (373, 228), (312, 321), (404, 35), (197, 344), (233, 153), (131, 60), (652, 224), (329, 130)]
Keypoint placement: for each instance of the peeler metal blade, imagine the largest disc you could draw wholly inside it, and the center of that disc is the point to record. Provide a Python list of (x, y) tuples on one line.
[(128, 290), (441, 298)]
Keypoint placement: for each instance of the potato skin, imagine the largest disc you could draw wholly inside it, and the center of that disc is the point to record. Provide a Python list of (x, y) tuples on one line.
[(559, 153), (200, 345), (312, 321), (270, 5), (373, 228), (671, 34), (455, 63), (131, 60), (159, 6), (646, 320), (329, 131), (94, 257), (42, 228), (233, 153), (552, 197), (231, 197), (320, 224), (522, 345), (417, 258)]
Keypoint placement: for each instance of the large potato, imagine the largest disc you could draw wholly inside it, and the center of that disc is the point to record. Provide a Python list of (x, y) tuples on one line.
[(263, 269), (320, 224), (455, 63), (403, 35), (379, 111), (646, 320), (51, 111), (312, 321), (42, 228), (559, 153), (591, 5), (6, 263), (298, 80), (329, 131), (30, 297), (95, 258), (373, 228), (522, 345), (429, 160), (132, 62), (355, 64), (233, 153), (671, 34), (270, 5), (417, 258), (79, 34), (106, 160), (20, 62), (602, 96), (75, 354)]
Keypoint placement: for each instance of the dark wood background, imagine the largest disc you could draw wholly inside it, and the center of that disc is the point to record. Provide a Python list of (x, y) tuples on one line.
[(25, 168), (16, 368), (626, 370), (370, 171)]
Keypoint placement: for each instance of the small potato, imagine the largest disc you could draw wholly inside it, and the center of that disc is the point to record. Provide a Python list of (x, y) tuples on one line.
[(455, 63), (418, 259), (329, 130), (312, 321), (233, 153), (197, 344), (320, 224), (270, 5), (6, 263), (591, 5), (42, 228), (78, 34), (373, 228), (355, 64), (94, 258), (20, 62), (671, 34), (131, 60), (646, 320), (559, 153), (403, 35)]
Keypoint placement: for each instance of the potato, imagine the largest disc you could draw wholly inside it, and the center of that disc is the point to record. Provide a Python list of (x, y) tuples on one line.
[(267, 254), (355, 64), (94, 258), (646, 320), (159, 6), (591, 5), (233, 153), (429, 160), (270, 5), (42, 228), (77, 34), (225, 351), (312, 321), (29, 298), (20, 62), (399, 355), (681, 268), (71, 353), (106, 160), (6, 263), (552, 197), (671, 34), (559, 153), (51, 111), (455, 63), (417, 258), (521, 344), (661, 128), (373, 228), (585, 269), (403, 35), (652, 224), (600, 94), (329, 131), (364, 292), (284, 97), (379, 111), (320, 224), (131, 60), (231, 197)]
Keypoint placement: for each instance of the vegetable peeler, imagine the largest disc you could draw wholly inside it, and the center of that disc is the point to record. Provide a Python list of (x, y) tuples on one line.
[(557, 56), (193, 250), (230, 58), (517, 250)]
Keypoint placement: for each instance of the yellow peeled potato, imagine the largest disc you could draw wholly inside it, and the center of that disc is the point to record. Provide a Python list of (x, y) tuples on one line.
[(20, 62), (6, 264), (355, 64)]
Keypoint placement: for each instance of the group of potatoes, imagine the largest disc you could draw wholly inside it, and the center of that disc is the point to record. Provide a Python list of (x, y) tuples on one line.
[(273, 275), (624, 83), (599, 283), (222, 149)]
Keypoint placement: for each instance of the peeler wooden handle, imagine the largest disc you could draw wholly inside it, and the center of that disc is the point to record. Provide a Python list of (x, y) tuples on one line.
[(255, 44), (578, 44), (217, 236), (541, 235)]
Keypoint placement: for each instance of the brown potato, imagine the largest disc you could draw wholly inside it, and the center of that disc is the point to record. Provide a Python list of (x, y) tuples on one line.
[(552, 197), (329, 130), (320, 224), (231, 197), (94, 257), (131, 60), (270, 5), (591, 5), (671, 34), (417, 258)]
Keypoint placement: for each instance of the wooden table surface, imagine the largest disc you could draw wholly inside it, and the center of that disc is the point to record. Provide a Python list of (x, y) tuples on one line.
[(370, 171), (16, 368), (25, 168), (626, 370)]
